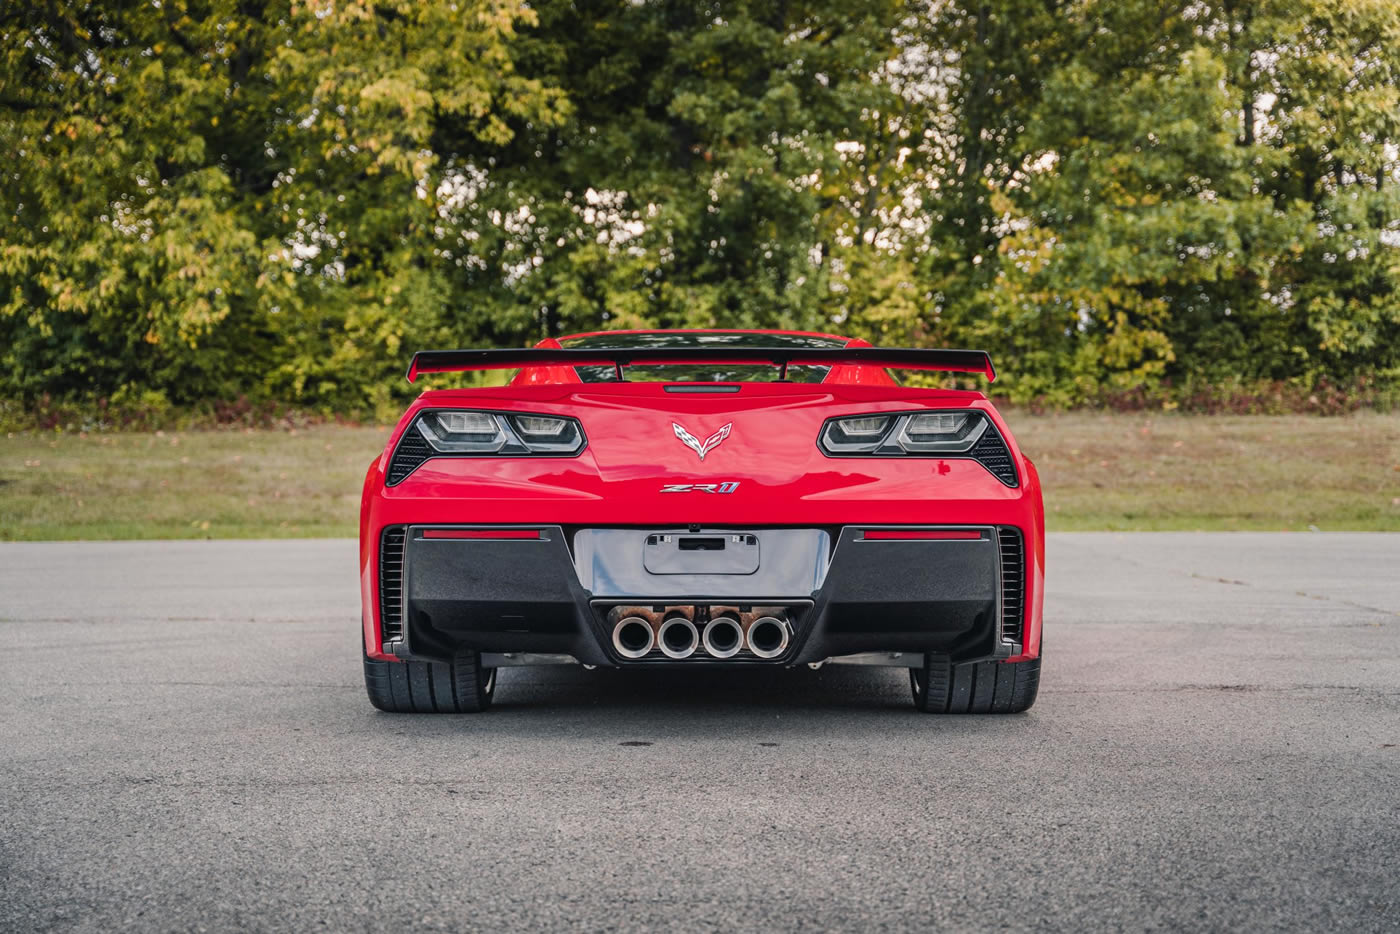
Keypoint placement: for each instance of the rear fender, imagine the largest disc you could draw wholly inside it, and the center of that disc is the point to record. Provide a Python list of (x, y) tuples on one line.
[(1035, 563)]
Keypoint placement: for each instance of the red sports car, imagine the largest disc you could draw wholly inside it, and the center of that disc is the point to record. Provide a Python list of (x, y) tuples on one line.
[(742, 498)]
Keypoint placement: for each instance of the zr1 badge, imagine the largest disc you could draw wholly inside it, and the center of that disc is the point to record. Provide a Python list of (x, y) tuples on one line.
[(728, 486)]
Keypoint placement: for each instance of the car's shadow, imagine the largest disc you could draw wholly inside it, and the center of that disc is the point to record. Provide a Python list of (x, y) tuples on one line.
[(772, 689), (645, 706)]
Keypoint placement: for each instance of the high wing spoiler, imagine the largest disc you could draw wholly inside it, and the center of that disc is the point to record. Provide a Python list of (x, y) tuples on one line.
[(947, 361)]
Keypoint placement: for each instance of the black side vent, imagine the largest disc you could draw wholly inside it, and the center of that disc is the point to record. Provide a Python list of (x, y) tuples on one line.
[(1013, 584), (411, 452), (991, 452), (391, 583)]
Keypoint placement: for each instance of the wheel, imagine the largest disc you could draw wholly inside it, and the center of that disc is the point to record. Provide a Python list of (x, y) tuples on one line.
[(458, 686), (976, 687)]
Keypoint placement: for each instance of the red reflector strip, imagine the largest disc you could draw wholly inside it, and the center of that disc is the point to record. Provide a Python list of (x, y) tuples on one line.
[(481, 533), (913, 534)]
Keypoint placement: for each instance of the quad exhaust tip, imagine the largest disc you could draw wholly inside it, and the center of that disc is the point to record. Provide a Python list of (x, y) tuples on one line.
[(724, 637), (677, 637), (633, 637), (768, 636)]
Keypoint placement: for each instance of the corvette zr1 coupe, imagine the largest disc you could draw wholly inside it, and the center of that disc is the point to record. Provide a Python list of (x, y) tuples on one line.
[(702, 498)]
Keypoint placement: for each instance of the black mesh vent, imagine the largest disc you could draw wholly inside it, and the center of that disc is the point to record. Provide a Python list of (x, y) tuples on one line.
[(991, 452), (1013, 584), (411, 452), (391, 583)]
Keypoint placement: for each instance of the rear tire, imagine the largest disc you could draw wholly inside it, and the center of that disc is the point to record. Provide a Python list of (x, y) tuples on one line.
[(976, 687), (458, 686)]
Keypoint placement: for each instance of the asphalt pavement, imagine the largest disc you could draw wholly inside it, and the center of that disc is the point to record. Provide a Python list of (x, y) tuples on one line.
[(185, 743)]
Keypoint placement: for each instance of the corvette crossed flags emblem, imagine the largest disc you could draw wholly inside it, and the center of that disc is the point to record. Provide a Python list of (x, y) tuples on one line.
[(694, 443)]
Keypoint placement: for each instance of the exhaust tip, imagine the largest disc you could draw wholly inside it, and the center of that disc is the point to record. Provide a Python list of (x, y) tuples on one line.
[(632, 637), (678, 638), (768, 636), (723, 637)]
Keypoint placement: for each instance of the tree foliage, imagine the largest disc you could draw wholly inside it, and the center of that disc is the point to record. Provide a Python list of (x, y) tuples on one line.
[(282, 198)]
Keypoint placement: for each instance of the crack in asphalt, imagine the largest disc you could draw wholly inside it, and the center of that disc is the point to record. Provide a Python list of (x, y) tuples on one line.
[(98, 620), (1045, 690), (1354, 689), (1343, 600), (1211, 579), (209, 684)]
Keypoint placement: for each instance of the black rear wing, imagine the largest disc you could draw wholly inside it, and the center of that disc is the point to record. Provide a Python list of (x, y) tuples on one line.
[(947, 361)]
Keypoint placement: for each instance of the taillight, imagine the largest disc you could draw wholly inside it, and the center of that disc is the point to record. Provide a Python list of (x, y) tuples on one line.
[(906, 433), (503, 433)]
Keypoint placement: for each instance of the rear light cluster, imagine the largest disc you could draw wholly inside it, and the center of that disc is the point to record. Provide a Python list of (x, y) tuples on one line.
[(503, 433), (478, 534), (910, 535), (461, 433), (966, 433)]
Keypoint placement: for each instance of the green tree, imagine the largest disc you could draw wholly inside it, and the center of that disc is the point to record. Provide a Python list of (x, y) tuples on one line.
[(1172, 191), (692, 181), (225, 197), (283, 198)]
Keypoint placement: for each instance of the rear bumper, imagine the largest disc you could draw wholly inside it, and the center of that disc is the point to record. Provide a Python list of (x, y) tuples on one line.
[(548, 589)]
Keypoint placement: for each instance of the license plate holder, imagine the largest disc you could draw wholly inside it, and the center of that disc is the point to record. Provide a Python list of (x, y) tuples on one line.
[(700, 553)]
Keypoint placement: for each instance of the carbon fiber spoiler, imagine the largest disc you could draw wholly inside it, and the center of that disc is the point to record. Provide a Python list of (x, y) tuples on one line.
[(948, 361)]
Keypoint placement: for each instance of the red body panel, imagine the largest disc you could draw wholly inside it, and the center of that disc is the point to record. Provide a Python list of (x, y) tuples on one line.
[(771, 453)]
